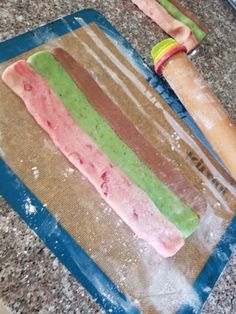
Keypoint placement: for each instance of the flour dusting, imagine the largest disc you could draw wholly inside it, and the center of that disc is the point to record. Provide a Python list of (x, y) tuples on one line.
[(163, 283), (35, 172), (210, 230), (2, 154), (68, 171), (29, 208)]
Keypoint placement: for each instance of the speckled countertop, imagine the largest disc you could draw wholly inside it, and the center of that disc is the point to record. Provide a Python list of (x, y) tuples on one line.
[(31, 278)]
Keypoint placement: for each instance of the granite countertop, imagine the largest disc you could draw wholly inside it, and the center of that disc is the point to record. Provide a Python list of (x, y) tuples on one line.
[(31, 278)]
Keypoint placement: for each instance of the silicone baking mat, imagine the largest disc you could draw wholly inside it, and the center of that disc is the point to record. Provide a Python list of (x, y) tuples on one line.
[(123, 274)]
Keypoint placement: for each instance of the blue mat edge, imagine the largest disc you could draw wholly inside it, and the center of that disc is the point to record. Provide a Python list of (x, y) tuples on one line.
[(64, 247), (24, 42)]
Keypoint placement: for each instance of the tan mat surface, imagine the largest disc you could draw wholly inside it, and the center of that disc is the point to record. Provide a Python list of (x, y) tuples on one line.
[(157, 284)]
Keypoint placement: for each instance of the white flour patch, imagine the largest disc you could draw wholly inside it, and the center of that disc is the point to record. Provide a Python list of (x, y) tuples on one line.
[(35, 172), (207, 289), (29, 208), (232, 247), (163, 284), (2, 154), (210, 230), (68, 171), (176, 139)]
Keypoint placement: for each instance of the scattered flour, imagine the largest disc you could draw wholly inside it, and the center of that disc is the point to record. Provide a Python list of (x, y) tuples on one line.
[(210, 231), (68, 171), (35, 172), (29, 208), (107, 209), (2, 154), (163, 284)]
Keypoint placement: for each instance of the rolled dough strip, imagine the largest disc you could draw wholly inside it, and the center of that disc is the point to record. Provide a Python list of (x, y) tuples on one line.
[(190, 15), (180, 16), (108, 141), (182, 33), (130, 135), (128, 201)]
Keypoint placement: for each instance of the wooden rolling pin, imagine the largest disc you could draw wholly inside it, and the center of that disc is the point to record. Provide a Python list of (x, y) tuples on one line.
[(171, 60)]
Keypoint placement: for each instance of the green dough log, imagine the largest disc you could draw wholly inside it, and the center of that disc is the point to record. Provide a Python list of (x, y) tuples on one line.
[(116, 150), (176, 13)]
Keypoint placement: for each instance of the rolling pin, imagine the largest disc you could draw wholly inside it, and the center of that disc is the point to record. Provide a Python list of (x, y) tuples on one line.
[(171, 60)]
